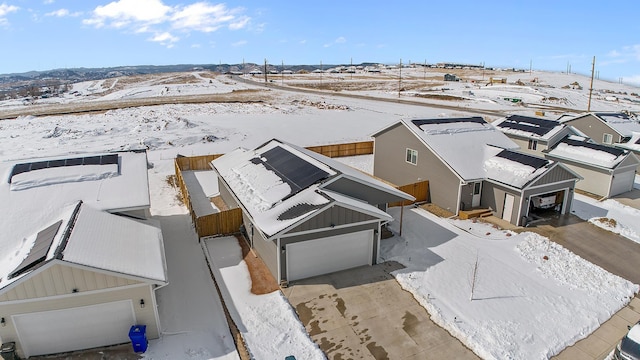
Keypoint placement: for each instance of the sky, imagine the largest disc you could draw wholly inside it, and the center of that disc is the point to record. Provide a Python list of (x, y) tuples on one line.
[(544, 35)]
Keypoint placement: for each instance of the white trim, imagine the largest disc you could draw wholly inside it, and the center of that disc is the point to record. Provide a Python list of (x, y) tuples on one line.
[(378, 242), (549, 184), (64, 296), (278, 252), (337, 227), (564, 201), (412, 152)]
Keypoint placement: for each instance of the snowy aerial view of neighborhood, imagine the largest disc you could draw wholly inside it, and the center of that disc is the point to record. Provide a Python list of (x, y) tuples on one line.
[(325, 210)]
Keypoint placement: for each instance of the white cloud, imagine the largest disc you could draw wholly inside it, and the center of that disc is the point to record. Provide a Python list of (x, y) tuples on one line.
[(635, 80), (62, 13), (5, 10), (141, 16), (340, 40), (196, 46), (165, 39), (239, 43), (124, 12), (46, 2), (619, 56)]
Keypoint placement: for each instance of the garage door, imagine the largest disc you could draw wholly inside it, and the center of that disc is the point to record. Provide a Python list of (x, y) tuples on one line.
[(321, 256), (86, 327), (622, 183)]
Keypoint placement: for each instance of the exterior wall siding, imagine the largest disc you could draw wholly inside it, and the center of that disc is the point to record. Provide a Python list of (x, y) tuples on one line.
[(557, 174), (593, 128), (144, 315), (390, 164), (595, 181), (62, 280), (266, 249), (335, 215), (327, 233), (226, 195), (493, 197)]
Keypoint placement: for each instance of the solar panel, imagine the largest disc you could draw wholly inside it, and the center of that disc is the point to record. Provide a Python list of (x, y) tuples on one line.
[(525, 159), (38, 252), (297, 211), (108, 159), (474, 119), (589, 145), (529, 124), (293, 170)]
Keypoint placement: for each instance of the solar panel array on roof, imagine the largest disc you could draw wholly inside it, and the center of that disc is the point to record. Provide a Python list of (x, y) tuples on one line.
[(297, 211), (529, 124), (293, 170), (474, 119), (38, 252), (109, 159), (608, 149), (621, 116), (534, 162)]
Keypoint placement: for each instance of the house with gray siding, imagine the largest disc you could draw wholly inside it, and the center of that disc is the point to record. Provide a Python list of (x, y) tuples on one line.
[(605, 170), (605, 128), (533, 135), (470, 164), (305, 214), (80, 261)]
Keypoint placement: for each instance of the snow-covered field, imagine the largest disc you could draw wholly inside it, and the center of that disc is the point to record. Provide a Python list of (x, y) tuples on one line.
[(523, 305)]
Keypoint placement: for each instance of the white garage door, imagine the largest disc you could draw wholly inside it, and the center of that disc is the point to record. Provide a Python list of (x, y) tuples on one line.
[(316, 257), (622, 183), (86, 327)]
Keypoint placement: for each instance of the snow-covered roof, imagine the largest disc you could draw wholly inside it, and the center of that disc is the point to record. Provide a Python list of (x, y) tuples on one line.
[(530, 127), (280, 184), (514, 168), (582, 150), (465, 144), (620, 122), (33, 193), (633, 143)]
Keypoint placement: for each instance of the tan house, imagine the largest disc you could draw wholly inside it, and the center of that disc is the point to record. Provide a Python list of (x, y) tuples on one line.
[(470, 164), (80, 261)]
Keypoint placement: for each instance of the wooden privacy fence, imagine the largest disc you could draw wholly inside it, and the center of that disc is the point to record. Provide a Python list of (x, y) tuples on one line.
[(419, 190), (229, 221), (348, 149)]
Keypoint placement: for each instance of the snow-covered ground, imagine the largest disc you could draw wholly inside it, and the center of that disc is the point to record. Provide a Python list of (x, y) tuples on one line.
[(523, 306)]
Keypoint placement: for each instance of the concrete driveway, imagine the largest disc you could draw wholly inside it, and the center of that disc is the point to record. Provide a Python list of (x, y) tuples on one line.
[(363, 313)]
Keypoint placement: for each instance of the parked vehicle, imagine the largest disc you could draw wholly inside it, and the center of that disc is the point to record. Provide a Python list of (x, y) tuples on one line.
[(629, 346)]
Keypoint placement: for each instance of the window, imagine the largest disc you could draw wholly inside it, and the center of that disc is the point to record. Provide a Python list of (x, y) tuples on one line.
[(607, 138), (533, 144), (412, 156)]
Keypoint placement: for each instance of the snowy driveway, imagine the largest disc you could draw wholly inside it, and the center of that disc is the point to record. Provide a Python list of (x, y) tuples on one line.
[(363, 313)]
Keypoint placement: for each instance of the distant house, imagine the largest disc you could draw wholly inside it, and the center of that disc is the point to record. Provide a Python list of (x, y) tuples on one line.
[(533, 134), (606, 170), (605, 128), (305, 214), (80, 261), (470, 164), (451, 77), (288, 72), (255, 72)]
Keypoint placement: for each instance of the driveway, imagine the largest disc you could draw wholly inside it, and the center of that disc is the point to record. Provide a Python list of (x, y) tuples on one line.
[(610, 251), (363, 313)]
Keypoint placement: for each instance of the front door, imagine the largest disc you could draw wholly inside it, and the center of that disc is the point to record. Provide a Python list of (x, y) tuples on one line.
[(507, 211), (475, 201)]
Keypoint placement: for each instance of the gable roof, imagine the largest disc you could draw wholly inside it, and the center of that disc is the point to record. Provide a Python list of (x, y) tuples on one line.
[(622, 123), (32, 200), (279, 184), (582, 150), (530, 127), (514, 168), (96, 239), (633, 143), (464, 144)]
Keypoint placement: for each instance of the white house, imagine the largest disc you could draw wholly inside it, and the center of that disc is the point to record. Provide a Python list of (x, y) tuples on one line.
[(79, 261)]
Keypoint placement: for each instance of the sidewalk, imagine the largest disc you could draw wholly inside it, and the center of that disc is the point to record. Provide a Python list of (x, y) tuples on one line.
[(601, 342)]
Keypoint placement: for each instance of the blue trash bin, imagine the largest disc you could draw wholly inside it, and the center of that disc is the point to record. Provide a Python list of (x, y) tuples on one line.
[(138, 336)]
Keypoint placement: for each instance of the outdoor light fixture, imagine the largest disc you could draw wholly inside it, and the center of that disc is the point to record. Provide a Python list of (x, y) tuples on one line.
[(3, 322), (142, 303)]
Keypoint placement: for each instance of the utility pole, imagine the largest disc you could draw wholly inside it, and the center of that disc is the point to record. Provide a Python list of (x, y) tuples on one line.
[(593, 66), (282, 72), (530, 65), (400, 79), (425, 70), (320, 74), (265, 70)]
